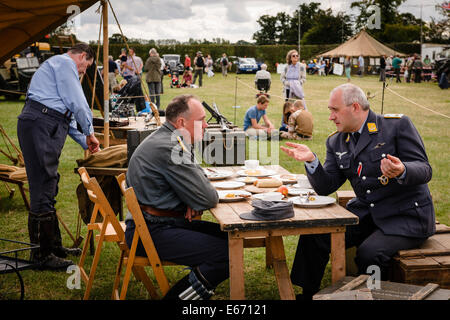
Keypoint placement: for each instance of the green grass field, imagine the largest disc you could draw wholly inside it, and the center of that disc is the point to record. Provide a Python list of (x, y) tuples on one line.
[(226, 93)]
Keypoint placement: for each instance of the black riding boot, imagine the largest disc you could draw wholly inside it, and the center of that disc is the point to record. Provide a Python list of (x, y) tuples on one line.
[(58, 249), (41, 231)]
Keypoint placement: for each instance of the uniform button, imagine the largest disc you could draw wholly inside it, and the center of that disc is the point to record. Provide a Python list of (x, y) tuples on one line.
[(383, 155), (341, 166), (416, 204), (364, 177), (368, 191), (372, 205)]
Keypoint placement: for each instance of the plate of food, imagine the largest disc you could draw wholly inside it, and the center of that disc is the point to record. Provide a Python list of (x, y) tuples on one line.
[(313, 201), (256, 173), (229, 184), (247, 180), (286, 178), (213, 174), (297, 191), (233, 195)]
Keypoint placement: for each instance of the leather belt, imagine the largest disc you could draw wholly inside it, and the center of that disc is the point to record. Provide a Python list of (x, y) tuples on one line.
[(160, 212)]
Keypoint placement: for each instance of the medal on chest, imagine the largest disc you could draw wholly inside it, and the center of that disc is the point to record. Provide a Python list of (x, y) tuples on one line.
[(383, 180)]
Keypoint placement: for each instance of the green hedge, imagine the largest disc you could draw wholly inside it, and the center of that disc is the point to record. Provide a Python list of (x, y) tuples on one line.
[(269, 54)]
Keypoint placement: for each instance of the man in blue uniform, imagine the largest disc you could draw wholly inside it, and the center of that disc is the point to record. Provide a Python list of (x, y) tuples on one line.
[(55, 104), (172, 189), (385, 161)]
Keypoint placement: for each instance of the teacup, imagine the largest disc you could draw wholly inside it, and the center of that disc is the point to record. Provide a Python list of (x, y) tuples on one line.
[(251, 164), (272, 196)]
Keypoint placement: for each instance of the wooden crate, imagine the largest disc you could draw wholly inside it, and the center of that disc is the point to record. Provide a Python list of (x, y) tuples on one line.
[(429, 263), (351, 288)]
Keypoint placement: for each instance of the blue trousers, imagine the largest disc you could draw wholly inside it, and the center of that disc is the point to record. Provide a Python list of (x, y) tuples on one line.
[(196, 244), (42, 133), (373, 248)]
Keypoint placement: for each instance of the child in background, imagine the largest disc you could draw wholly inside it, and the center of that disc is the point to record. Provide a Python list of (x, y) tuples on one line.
[(187, 78), (300, 123), (287, 110)]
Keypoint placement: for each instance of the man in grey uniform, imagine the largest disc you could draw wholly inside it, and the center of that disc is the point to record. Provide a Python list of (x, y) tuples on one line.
[(172, 189), (385, 161)]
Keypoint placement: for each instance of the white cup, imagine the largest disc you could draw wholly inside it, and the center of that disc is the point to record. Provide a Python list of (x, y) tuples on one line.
[(272, 196), (303, 182), (251, 164)]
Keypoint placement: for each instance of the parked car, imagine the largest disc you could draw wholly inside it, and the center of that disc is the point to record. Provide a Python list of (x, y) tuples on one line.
[(247, 65), (173, 62)]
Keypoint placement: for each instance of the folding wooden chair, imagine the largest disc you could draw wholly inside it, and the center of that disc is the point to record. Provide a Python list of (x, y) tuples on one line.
[(141, 233), (110, 229)]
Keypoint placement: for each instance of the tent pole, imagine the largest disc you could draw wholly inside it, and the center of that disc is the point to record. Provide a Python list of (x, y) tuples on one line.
[(382, 98), (105, 75)]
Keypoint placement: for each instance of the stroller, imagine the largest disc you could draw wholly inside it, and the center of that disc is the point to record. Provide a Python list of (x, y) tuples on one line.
[(124, 107)]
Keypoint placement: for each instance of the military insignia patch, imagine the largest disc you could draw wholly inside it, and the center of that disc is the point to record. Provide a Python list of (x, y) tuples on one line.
[(372, 127), (333, 133), (182, 144)]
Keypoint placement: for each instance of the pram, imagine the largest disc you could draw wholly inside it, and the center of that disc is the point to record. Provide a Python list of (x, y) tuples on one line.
[(123, 105)]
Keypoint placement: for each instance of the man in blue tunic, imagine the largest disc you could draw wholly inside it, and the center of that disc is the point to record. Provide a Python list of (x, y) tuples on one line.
[(384, 158), (55, 104)]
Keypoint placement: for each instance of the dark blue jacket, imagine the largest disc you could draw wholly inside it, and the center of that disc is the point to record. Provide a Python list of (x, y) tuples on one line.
[(401, 207)]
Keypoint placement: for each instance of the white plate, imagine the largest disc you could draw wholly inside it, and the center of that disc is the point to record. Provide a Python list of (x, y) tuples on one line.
[(238, 195), (218, 174), (247, 180), (296, 191), (286, 178), (256, 173), (229, 184), (319, 201)]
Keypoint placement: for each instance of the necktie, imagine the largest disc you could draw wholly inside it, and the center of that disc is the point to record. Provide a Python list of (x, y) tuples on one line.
[(356, 136)]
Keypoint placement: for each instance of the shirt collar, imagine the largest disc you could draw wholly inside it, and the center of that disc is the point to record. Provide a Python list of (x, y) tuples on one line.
[(362, 126)]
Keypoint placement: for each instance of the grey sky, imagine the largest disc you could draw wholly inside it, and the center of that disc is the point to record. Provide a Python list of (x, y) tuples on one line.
[(198, 19)]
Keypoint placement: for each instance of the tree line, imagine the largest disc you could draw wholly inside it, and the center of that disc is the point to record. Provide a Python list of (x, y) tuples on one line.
[(319, 26)]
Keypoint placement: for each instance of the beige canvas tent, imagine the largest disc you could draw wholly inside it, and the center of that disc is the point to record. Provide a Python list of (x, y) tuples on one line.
[(361, 44), (26, 21)]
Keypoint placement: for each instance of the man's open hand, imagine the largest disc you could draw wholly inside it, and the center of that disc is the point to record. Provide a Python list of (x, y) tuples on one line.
[(299, 152)]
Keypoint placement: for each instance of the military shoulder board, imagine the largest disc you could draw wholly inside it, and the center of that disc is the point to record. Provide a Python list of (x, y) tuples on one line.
[(393, 115), (333, 133)]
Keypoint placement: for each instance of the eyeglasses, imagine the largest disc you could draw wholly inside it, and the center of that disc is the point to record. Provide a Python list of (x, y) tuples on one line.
[(295, 55)]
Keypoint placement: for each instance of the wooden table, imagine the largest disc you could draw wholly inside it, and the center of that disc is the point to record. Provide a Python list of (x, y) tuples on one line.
[(331, 219), (246, 233), (119, 134)]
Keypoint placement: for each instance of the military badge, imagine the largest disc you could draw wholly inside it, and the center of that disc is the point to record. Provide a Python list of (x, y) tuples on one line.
[(340, 154), (372, 127), (379, 145), (383, 180)]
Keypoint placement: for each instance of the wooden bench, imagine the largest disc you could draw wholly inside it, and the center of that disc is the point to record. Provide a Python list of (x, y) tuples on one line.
[(428, 263)]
